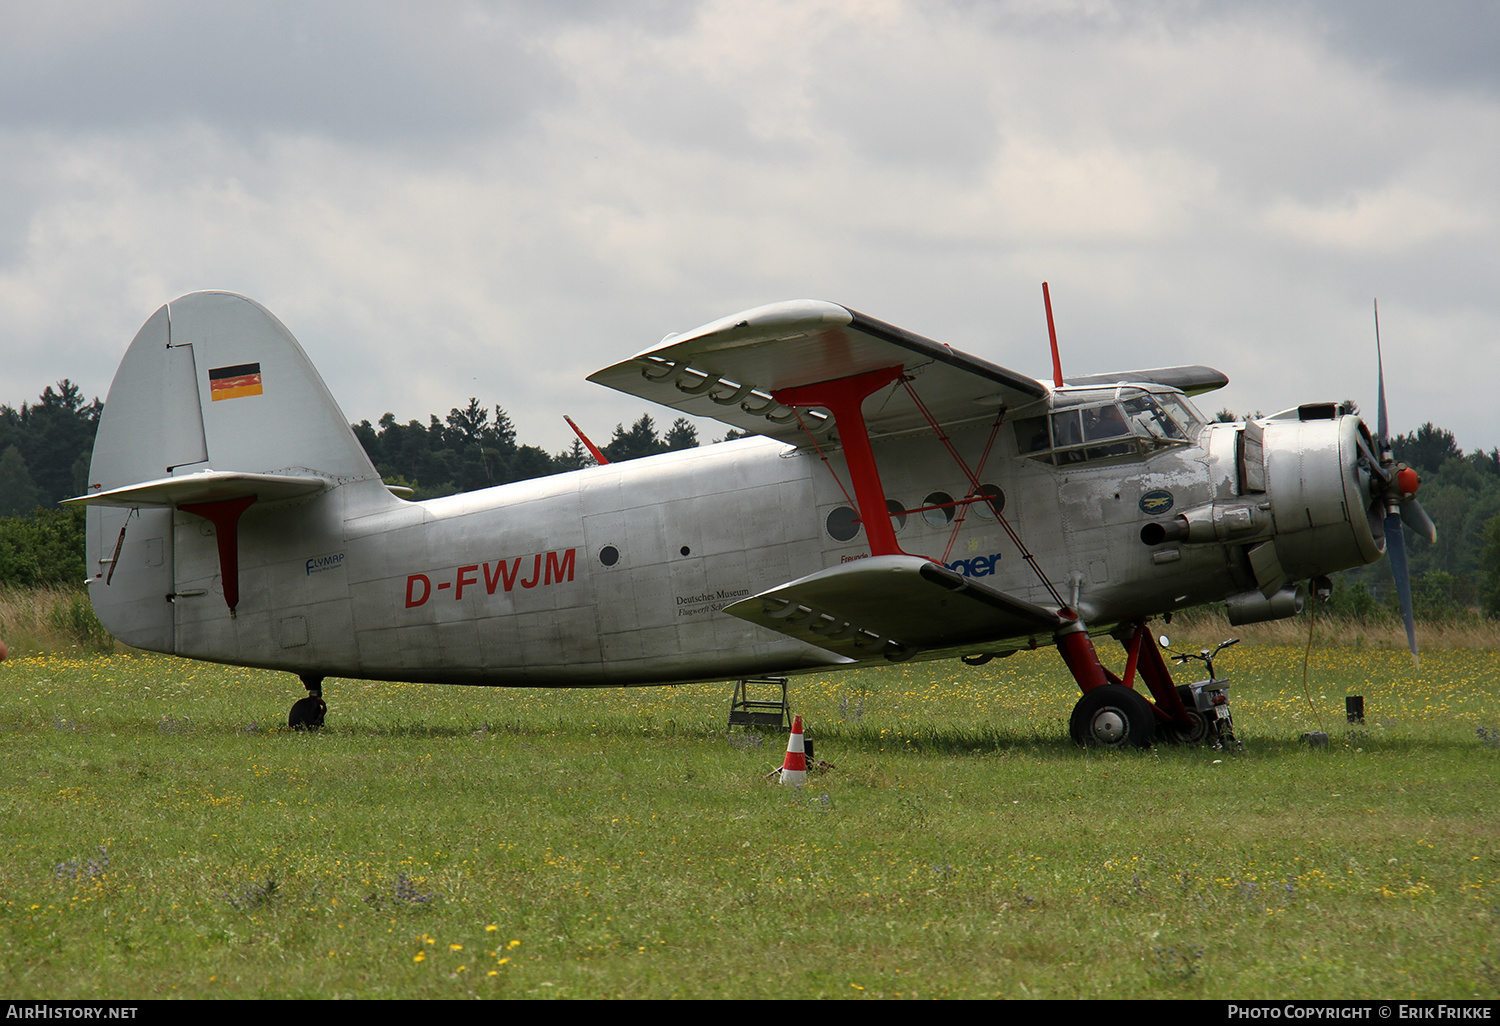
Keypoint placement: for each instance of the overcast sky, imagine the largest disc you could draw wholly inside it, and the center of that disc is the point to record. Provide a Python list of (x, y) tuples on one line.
[(464, 199)]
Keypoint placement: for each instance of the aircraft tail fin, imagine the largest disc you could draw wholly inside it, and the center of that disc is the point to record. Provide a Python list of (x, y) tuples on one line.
[(214, 408), (214, 382)]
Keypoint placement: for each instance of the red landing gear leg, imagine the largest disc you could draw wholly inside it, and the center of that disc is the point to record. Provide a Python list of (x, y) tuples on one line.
[(1176, 719), (1110, 714)]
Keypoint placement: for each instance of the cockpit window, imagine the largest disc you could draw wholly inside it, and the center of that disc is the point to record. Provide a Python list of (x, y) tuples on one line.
[(1067, 428), (1148, 418), (1031, 435), (1123, 423), (1103, 422), (1182, 411)]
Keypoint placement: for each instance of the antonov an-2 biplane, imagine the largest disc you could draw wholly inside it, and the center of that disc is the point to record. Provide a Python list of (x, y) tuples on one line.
[(896, 499)]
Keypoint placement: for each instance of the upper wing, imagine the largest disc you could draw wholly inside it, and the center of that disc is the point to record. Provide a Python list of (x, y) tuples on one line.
[(728, 370), (1194, 379), (897, 605)]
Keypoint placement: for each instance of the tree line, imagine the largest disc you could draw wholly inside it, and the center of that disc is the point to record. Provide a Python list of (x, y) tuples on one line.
[(45, 449), (1461, 570), (472, 449), (46, 446)]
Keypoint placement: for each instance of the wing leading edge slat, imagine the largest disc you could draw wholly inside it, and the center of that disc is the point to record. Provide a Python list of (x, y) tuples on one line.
[(730, 369)]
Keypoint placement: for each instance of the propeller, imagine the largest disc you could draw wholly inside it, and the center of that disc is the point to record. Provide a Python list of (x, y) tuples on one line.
[(1393, 486)]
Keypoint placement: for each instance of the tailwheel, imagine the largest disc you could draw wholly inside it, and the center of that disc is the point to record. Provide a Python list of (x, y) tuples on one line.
[(1112, 716), (307, 714)]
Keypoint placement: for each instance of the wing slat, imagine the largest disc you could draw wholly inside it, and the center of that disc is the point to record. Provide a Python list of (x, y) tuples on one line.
[(728, 370), (897, 605)]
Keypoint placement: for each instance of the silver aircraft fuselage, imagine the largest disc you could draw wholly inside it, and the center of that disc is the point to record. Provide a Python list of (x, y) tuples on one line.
[(906, 500), (619, 574)]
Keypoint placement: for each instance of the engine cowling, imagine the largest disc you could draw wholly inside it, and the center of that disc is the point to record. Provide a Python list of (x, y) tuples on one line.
[(1318, 479)]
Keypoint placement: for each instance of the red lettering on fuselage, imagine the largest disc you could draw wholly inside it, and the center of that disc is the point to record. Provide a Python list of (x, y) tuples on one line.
[(555, 567), (536, 573), (504, 572), (462, 581), (411, 598)]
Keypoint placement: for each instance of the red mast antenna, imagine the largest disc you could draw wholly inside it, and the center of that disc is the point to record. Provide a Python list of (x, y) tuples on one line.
[(590, 446), (1057, 378)]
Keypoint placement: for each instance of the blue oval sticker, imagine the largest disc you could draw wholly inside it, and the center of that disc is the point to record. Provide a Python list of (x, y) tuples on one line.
[(1156, 502)]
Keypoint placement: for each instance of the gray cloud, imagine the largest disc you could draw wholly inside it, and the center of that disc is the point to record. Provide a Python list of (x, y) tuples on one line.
[(497, 199), (1442, 45), (355, 71)]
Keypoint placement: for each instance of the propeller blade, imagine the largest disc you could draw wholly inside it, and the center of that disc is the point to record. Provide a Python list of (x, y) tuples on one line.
[(1381, 429), (1395, 547), (1416, 518), (1398, 512)]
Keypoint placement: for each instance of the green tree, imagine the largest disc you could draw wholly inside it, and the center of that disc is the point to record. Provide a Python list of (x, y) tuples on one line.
[(1426, 449), (576, 457), (1487, 463), (44, 548), (1440, 597), (470, 422), (18, 492), (1353, 598), (681, 435), (54, 437), (57, 429), (640, 440), (473, 447), (1489, 567)]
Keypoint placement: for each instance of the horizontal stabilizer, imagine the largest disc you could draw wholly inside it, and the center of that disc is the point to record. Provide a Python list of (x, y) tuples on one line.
[(894, 605), (208, 486), (730, 370)]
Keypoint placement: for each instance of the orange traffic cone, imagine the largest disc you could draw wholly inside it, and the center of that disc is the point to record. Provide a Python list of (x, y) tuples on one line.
[(794, 768)]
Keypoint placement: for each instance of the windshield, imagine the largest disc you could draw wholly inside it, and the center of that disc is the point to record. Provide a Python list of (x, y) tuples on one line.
[(1113, 424)]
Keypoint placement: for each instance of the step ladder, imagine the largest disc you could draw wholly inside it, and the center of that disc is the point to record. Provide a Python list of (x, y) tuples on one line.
[(745, 711)]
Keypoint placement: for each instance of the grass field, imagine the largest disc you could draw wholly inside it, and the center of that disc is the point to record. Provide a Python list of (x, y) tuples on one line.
[(164, 835)]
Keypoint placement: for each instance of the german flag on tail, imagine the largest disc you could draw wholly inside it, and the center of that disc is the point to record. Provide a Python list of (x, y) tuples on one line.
[(233, 382)]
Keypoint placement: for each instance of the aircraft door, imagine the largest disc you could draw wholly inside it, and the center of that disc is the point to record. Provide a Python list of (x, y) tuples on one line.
[(625, 556), (1097, 543)]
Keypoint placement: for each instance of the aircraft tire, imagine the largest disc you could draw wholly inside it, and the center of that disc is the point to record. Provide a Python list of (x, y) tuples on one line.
[(1112, 716), (307, 714)]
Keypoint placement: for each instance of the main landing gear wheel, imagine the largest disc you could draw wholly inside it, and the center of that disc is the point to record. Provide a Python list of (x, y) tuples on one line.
[(1112, 716)]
